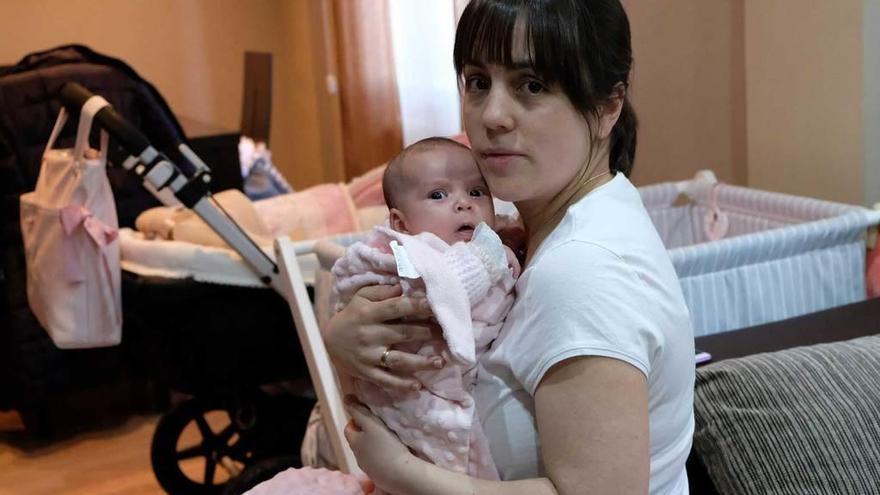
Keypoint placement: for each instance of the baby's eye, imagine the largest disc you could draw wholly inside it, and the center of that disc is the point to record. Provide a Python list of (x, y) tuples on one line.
[(478, 193), (437, 195)]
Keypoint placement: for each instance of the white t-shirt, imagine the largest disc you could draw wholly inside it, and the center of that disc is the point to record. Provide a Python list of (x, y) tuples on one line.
[(601, 284)]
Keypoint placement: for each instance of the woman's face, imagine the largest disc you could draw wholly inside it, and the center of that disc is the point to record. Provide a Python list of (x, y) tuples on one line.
[(529, 140)]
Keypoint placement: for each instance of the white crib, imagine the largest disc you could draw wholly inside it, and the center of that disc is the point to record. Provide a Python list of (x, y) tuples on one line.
[(782, 255)]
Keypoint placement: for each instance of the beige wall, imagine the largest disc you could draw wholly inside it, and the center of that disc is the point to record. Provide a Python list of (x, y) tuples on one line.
[(870, 83), (804, 97), (193, 51), (686, 90), (767, 93)]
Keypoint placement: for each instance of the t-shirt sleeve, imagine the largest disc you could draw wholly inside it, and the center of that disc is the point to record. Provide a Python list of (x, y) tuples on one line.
[(583, 300)]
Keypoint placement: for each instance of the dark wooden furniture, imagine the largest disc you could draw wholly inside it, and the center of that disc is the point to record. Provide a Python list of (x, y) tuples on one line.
[(841, 323), (256, 103)]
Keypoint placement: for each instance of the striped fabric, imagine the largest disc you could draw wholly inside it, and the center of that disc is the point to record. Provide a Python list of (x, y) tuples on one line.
[(783, 255), (800, 421)]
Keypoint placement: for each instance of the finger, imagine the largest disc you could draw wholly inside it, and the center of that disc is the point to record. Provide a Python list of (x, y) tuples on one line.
[(353, 425), (385, 379), (359, 413), (352, 434), (367, 485), (407, 362), (410, 332), (399, 307), (379, 292)]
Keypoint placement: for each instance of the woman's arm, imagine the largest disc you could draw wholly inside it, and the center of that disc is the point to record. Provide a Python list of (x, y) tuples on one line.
[(592, 415)]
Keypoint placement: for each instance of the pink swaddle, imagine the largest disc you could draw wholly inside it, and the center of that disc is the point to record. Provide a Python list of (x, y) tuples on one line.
[(470, 289), (311, 481)]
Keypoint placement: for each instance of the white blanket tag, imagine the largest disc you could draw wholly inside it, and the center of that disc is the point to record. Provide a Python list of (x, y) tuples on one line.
[(405, 267)]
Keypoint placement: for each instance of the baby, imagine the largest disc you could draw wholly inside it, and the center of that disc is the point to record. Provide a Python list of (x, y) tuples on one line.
[(435, 186), (439, 243)]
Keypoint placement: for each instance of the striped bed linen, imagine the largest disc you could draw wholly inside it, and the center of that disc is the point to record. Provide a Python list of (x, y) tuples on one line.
[(782, 256)]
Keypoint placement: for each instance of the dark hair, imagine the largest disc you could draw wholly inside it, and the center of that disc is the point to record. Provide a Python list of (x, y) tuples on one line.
[(581, 45), (392, 177)]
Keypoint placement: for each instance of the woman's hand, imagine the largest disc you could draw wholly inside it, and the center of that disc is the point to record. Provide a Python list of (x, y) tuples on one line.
[(359, 335), (380, 454)]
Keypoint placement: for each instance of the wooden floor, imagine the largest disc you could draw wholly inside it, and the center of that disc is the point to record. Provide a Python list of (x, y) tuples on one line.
[(111, 461)]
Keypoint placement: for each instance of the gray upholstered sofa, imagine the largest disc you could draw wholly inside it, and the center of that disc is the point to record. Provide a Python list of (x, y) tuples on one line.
[(791, 407)]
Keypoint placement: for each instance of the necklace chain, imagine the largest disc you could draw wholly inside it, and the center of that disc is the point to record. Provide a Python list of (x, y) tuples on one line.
[(595, 177)]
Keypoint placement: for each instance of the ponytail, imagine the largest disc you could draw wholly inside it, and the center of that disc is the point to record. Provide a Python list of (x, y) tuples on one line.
[(623, 140)]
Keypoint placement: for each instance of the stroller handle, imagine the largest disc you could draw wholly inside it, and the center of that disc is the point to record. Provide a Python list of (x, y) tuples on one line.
[(158, 172), (73, 96)]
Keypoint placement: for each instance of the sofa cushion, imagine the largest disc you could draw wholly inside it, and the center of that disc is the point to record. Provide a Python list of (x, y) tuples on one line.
[(798, 421)]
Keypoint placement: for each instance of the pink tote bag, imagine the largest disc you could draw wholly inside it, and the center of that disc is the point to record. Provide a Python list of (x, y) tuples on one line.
[(69, 228)]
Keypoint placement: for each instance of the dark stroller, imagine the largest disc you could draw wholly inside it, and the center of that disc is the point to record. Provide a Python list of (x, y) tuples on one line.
[(218, 344)]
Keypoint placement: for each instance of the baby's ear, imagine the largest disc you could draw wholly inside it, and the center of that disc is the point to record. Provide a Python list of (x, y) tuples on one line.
[(397, 220)]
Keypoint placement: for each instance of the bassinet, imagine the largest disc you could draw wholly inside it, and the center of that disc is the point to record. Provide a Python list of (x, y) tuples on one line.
[(782, 255)]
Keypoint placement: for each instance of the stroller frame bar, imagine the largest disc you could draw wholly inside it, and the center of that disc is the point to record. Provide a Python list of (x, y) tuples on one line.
[(171, 186)]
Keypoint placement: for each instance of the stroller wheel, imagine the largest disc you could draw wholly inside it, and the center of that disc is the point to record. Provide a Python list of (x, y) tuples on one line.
[(197, 448)]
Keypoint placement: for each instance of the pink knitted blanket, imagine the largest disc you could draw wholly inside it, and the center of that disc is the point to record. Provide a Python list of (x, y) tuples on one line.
[(470, 289)]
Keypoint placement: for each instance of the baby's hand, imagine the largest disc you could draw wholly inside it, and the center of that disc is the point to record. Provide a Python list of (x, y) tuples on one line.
[(512, 262), (328, 252)]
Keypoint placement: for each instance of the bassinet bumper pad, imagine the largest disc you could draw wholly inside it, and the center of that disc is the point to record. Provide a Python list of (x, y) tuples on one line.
[(182, 260), (209, 264), (755, 279)]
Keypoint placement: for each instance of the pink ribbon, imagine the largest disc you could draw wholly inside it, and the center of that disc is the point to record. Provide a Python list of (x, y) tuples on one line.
[(72, 216)]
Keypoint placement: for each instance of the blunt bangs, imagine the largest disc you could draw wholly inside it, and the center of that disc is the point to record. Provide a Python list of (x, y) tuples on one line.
[(581, 47), (486, 34)]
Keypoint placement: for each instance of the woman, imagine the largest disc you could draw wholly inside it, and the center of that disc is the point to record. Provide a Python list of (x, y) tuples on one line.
[(589, 387)]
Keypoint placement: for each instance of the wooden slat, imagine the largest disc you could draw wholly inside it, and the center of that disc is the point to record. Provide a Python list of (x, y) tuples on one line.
[(320, 369)]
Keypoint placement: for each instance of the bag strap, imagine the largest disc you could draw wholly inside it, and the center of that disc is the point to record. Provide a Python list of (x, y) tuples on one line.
[(59, 124), (91, 107)]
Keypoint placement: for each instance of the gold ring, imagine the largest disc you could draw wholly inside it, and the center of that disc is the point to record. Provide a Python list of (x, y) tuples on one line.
[(383, 361)]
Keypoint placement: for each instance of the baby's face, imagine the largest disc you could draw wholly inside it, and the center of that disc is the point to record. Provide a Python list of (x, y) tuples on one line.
[(445, 195)]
